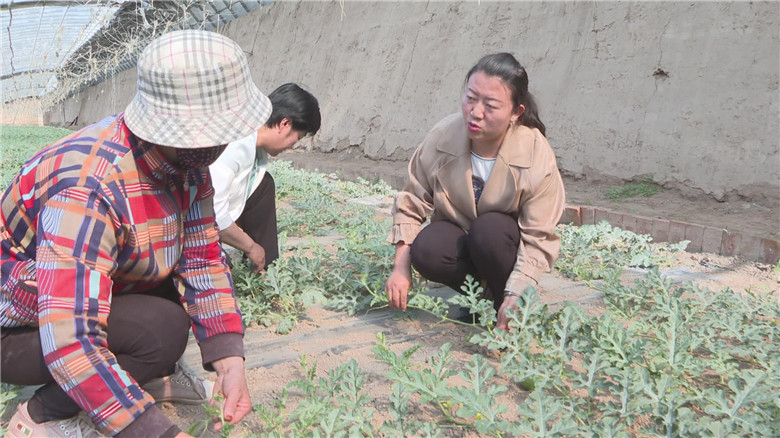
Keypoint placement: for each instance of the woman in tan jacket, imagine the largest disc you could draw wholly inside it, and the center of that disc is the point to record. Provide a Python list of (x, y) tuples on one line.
[(488, 180)]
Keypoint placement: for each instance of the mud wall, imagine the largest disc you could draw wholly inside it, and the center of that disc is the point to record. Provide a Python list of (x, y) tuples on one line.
[(684, 92), (26, 112)]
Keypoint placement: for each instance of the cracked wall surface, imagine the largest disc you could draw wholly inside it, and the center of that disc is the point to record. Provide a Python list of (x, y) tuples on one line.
[(684, 92)]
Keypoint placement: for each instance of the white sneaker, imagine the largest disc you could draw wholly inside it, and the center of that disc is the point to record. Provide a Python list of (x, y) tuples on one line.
[(181, 386), (22, 426)]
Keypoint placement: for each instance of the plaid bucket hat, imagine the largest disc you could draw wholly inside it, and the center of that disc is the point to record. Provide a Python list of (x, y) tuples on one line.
[(195, 90)]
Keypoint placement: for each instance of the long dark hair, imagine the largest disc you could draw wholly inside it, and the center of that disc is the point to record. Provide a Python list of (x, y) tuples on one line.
[(505, 67)]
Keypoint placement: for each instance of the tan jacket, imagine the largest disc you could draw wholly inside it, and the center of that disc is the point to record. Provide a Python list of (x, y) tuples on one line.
[(524, 183)]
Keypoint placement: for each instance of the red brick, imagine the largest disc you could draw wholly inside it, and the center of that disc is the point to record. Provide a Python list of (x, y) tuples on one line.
[(615, 219), (644, 225), (587, 215), (676, 231), (770, 251), (712, 240), (730, 242), (660, 230), (694, 233), (629, 223), (600, 214), (748, 247), (571, 215)]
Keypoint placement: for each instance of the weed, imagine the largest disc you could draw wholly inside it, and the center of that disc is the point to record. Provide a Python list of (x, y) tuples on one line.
[(216, 413), (20, 143), (646, 188)]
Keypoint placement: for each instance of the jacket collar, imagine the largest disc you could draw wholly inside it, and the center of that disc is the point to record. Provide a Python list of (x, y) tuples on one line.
[(455, 175), (514, 150)]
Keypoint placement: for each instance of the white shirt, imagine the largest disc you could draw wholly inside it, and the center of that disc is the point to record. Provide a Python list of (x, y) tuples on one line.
[(481, 167), (235, 175)]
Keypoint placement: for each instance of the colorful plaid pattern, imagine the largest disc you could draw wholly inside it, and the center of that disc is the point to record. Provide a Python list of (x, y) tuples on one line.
[(195, 90), (96, 214)]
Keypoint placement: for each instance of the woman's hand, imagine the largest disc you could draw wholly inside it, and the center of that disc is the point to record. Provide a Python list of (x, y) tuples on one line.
[(231, 383), (400, 280), (397, 287), (256, 254), (510, 302), (234, 236)]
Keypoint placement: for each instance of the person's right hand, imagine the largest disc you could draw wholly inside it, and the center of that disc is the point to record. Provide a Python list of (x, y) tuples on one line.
[(397, 287), (183, 435), (510, 302), (257, 255), (231, 383)]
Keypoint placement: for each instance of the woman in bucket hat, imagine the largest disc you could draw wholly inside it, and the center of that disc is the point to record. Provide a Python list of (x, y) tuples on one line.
[(98, 226)]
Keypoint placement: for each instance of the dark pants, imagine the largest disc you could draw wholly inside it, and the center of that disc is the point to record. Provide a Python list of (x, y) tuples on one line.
[(146, 332), (444, 253), (258, 219)]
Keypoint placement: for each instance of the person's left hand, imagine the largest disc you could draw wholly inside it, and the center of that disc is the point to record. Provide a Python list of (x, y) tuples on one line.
[(231, 383), (256, 254), (510, 302)]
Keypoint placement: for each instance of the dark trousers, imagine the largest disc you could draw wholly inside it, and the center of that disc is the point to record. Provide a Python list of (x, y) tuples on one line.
[(146, 332), (444, 253), (258, 219)]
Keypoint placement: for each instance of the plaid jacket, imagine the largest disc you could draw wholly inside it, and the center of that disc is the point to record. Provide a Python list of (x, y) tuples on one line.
[(101, 213)]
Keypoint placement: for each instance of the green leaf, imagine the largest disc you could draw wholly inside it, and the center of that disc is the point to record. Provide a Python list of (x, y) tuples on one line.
[(542, 416)]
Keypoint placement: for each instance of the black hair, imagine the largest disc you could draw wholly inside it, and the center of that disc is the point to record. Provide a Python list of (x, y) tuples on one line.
[(505, 67), (296, 104)]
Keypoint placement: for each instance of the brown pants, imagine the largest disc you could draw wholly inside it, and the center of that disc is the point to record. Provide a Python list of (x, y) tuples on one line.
[(444, 253), (146, 333), (258, 219)]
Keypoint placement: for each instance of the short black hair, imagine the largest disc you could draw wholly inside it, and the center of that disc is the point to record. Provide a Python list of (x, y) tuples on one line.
[(296, 104)]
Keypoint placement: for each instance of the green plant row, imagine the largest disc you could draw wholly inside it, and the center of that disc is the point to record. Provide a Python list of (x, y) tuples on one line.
[(691, 362), (345, 276), (592, 252), (351, 276)]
